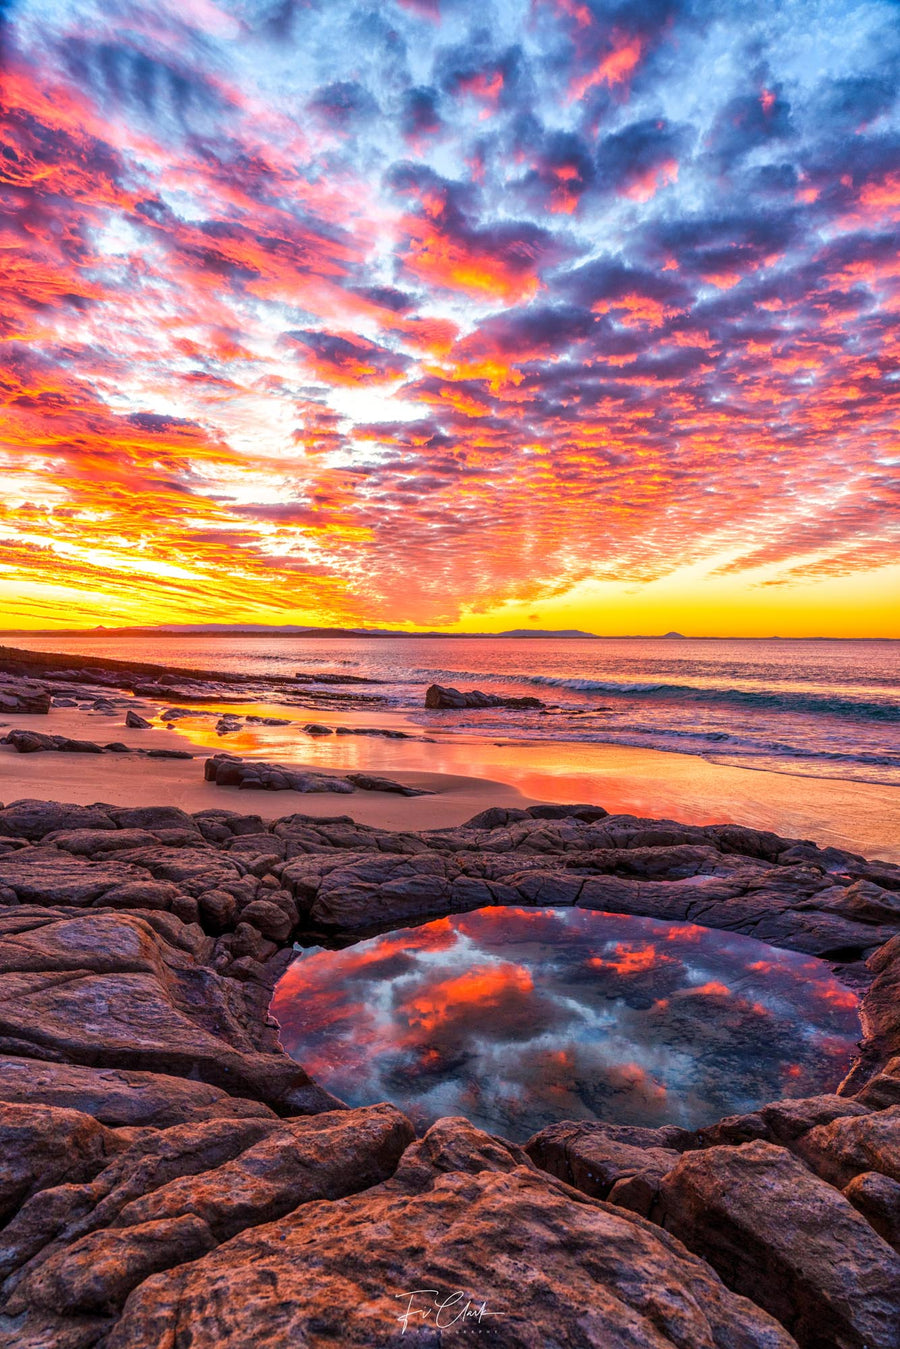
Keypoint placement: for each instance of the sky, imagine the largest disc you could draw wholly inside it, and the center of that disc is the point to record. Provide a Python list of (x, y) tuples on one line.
[(432, 313)]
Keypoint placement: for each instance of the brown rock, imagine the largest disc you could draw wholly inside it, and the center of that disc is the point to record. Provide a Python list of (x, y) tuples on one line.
[(323, 1156), (45, 876), (40, 1147), (436, 696), (841, 1150), (546, 1265), (117, 1097), (218, 908), (884, 1088), (781, 1121), (368, 782), (877, 1198), (33, 819), (94, 842), (270, 919), (789, 1241), (272, 1169), (594, 1157), (97, 1272)]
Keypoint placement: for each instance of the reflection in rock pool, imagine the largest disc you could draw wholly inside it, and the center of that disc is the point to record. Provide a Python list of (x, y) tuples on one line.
[(519, 1017)]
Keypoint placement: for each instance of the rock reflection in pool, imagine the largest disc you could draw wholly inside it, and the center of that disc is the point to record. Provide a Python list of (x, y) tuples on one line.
[(519, 1017)]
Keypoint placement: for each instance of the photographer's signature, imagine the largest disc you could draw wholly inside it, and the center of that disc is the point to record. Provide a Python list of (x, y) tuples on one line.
[(439, 1309)]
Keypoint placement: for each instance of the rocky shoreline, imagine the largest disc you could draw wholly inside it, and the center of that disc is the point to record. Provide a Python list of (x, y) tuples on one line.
[(34, 681), (170, 1177)]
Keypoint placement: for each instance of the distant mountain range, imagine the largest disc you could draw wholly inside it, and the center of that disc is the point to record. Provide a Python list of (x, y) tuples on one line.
[(280, 630)]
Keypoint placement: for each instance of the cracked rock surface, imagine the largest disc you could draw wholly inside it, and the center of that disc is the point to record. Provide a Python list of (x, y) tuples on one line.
[(169, 1177)]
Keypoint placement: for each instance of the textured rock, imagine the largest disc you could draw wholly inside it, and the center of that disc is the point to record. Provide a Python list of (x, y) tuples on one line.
[(175, 1174), (250, 774), (226, 770), (781, 1121), (841, 1150), (117, 1097), (436, 696), (178, 1193), (107, 991), (788, 1241), (136, 722), (24, 696), (548, 1266), (36, 742), (40, 1147), (595, 1157), (367, 782), (877, 1198), (883, 1089)]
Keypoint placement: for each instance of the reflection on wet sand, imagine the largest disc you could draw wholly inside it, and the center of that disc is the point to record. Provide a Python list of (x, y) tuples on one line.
[(519, 1017)]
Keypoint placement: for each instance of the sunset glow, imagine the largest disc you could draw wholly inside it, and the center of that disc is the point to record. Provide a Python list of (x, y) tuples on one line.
[(529, 313)]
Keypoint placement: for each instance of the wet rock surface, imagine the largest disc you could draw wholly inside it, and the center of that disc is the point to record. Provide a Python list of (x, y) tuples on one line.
[(167, 1171), (436, 696), (36, 742), (227, 770), (33, 682)]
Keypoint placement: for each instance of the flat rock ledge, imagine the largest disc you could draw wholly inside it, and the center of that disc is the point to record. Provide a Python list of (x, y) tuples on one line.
[(170, 1178)]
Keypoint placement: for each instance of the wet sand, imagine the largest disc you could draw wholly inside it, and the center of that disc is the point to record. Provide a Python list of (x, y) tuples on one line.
[(466, 774)]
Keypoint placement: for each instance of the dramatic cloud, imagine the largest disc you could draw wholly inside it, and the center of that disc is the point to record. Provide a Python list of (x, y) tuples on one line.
[(334, 312)]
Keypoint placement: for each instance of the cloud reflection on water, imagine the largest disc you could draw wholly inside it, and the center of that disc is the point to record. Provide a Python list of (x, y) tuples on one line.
[(518, 1017)]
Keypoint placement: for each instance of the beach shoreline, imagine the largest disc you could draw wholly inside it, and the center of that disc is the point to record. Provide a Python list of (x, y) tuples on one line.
[(465, 774)]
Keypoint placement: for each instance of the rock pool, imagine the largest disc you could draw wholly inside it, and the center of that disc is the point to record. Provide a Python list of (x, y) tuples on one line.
[(517, 1018)]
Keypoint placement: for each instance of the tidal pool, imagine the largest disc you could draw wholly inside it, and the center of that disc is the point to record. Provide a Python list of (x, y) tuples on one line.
[(520, 1017)]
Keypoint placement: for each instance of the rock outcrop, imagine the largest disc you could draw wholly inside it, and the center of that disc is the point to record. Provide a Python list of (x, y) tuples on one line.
[(227, 770), (787, 1240), (31, 681), (36, 742), (22, 695), (436, 696), (167, 1173)]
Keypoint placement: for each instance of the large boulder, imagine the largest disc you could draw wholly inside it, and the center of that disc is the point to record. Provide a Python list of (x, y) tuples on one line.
[(597, 1158), (20, 695), (844, 1148), (177, 1193), (789, 1241), (436, 696)]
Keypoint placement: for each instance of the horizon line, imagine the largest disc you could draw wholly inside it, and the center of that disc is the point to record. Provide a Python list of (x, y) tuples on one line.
[(515, 634)]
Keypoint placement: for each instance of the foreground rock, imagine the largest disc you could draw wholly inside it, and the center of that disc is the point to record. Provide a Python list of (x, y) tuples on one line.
[(436, 696), (534, 1263), (789, 1241), (168, 1175)]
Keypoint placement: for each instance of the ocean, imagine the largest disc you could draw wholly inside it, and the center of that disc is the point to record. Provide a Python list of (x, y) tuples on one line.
[(813, 708)]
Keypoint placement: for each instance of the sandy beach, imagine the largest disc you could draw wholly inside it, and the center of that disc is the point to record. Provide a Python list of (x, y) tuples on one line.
[(466, 775)]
